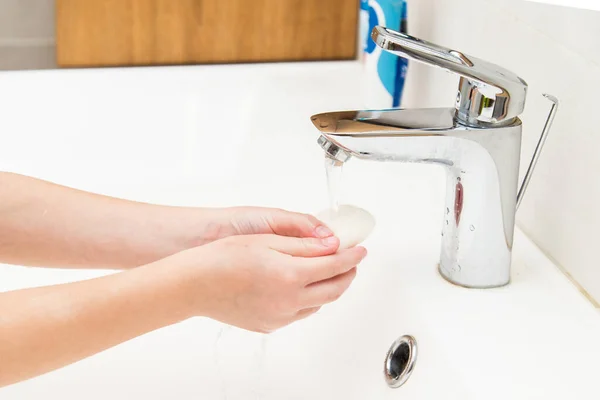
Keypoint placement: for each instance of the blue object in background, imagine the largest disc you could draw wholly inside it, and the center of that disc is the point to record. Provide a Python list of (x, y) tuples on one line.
[(385, 72), (373, 21)]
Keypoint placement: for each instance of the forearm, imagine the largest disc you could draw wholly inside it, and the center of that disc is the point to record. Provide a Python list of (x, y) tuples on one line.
[(44, 224), (46, 328)]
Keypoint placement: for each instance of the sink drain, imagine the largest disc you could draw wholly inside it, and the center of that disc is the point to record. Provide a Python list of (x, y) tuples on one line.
[(400, 361)]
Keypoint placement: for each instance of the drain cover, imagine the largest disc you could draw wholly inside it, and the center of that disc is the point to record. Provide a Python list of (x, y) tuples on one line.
[(400, 361)]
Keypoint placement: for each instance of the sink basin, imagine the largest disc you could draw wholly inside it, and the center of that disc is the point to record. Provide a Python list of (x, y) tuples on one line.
[(536, 338)]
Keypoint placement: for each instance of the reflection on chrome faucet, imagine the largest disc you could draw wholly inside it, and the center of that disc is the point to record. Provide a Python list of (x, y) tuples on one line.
[(478, 143)]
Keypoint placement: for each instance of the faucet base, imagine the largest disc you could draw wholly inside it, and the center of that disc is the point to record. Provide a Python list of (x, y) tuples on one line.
[(458, 284)]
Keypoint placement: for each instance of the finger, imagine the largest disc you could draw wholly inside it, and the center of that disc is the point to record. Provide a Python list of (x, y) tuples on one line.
[(303, 247), (321, 268), (306, 312), (287, 223), (324, 292)]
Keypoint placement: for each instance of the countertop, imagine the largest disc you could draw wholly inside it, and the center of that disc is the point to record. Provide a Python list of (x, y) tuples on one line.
[(232, 135)]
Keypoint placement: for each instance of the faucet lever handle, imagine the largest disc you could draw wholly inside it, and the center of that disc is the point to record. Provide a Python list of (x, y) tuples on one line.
[(538, 147), (487, 93)]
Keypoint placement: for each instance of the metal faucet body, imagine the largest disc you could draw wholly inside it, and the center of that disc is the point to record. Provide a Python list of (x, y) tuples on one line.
[(478, 143), (482, 166)]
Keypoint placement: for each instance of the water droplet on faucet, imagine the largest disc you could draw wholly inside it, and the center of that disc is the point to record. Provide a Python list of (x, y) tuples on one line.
[(472, 228)]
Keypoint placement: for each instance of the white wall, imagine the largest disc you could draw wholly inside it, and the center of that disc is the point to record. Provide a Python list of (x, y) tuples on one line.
[(27, 34), (556, 50)]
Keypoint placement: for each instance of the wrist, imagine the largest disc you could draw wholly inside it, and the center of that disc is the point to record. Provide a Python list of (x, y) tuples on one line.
[(183, 280), (192, 227), (164, 290)]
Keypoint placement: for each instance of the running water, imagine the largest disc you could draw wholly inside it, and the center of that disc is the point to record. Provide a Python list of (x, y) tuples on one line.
[(333, 170)]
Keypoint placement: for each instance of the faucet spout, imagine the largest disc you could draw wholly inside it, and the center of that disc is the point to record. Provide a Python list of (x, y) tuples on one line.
[(482, 164)]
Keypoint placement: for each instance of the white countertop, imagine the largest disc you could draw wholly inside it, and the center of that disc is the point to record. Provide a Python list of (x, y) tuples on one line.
[(230, 135)]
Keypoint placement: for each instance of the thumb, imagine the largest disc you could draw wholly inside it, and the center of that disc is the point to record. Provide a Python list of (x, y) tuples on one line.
[(287, 223), (304, 247)]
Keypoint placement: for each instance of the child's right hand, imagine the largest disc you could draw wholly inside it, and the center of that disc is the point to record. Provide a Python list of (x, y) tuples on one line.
[(264, 282)]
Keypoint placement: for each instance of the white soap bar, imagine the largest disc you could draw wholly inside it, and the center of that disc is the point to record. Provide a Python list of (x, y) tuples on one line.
[(352, 225)]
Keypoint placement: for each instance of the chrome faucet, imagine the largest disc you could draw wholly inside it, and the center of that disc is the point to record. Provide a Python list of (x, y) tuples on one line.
[(478, 142)]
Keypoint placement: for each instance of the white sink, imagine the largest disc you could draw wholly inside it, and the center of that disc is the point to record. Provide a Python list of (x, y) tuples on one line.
[(242, 135)]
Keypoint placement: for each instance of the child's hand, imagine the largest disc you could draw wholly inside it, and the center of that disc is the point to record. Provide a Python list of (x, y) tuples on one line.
[(259, 220), (264, 282)]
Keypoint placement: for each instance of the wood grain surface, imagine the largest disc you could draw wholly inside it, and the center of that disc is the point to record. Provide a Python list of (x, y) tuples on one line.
[(155, 32)]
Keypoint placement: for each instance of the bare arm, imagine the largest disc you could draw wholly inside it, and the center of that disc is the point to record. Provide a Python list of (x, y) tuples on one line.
[(44, 224), (256, 282), (44, 328)]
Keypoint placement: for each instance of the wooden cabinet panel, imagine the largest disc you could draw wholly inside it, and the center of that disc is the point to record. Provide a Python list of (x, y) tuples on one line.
[(150, 32)]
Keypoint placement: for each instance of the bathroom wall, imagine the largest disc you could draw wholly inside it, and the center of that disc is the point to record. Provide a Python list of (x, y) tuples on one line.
[(27, 34), (556, 50)]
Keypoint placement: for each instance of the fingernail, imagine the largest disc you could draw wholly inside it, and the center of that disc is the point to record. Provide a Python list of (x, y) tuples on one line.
[(364, 251), (322, 231), (330, 241)]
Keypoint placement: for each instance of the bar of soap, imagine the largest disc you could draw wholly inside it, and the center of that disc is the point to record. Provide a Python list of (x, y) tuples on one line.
[(351, 224)]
